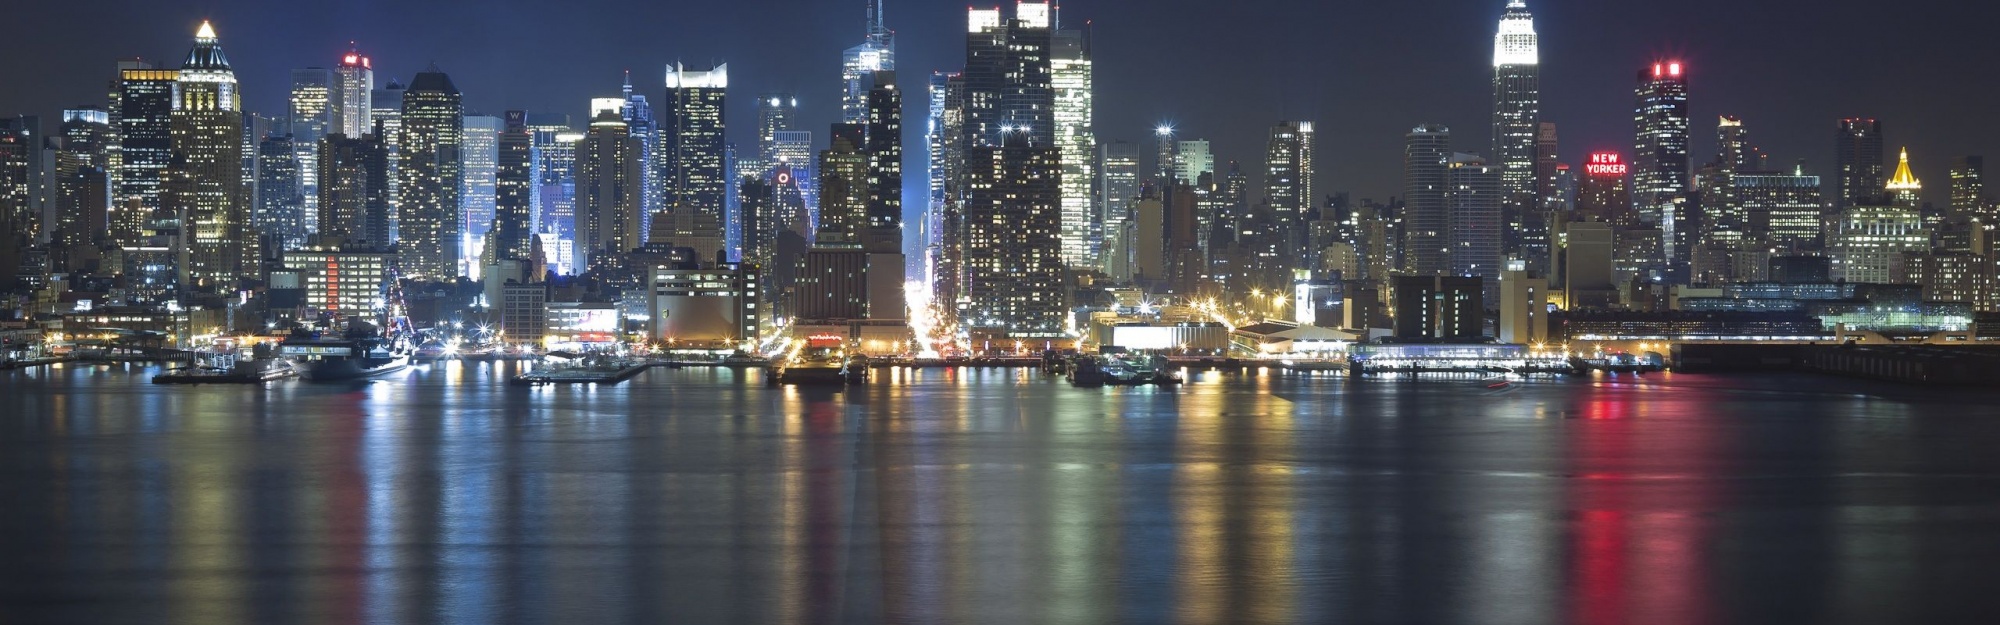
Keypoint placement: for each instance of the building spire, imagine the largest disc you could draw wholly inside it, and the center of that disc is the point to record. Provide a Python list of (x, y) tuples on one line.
[(205, 34), (875, 19), (1904, 180), (628, 84)]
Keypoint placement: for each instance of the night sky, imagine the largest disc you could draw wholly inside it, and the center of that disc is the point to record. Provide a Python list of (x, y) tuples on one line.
[(1364, 71)]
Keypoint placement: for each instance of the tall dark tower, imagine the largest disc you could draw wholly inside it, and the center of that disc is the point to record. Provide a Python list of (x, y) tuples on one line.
[(1517, 105), (1427, 219), (1660, 174), (609, 191), (354, 204), (693, 159), (205, 188), (515, 187), (430, 176), (1009, 79), (1857, 154), (885, 166), (142, 112)]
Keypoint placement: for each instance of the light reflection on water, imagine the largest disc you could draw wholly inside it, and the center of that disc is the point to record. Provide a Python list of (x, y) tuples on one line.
[(1001, 496)]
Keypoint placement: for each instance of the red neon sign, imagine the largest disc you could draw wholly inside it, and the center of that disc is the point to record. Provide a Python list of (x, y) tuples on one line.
[(1605, 164)]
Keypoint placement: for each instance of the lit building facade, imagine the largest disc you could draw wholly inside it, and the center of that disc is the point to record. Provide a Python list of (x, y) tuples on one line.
[(1871, 243), (1076, 135), (430, 219), (1012, 258), (1118, 188), (314, 113), (516, 183), (1288, 180), (346, 285), (143, 113), (608, 192), (352, 95), (1517, 101), (480, 175), (206, 186), (694, 157), (1660, 166), (876, 53)]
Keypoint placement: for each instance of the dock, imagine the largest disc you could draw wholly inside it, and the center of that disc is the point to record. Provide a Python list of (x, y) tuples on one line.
[(224, 377)]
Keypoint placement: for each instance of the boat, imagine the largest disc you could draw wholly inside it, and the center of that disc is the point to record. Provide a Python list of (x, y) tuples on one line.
[(1138, 370), (1086, 372), (855, 370), (362, 351), (229, 367), (822, 359)]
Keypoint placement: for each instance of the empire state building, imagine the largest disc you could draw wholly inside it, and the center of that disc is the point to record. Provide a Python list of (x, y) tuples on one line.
[(1517, 110)]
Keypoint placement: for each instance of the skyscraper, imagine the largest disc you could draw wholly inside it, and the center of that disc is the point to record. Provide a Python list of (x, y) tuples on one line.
[(1660, 174), (82, 180), (794, 151), (555, 184), (18, 221), (353, 95), (608, 193), (143, 115), (1473, 196), (645, 128), (387, 116), (279, 215), (1008, 74), (207, 189), (1076, 135), (1012, 258), (429, 178), (354, 192), (1192, 158), (1517, 97), (1857, 154), (479, 157), (314, 112), (1782, 212), (1288, 178), (1426, 218), (844, 189), (694, 159), (1968, 187), (876, 53), (517, 181), (1551, 204), (1117, 188), (775, 114), (885, 165)]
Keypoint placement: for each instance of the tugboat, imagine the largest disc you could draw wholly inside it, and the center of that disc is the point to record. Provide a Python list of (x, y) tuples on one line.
[(1086, 372), (362, 351)]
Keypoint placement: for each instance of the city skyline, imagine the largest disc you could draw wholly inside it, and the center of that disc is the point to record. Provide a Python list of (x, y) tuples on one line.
[(1586, 72)]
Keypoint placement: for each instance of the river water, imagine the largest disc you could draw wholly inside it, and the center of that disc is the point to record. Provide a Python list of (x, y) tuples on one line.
[(995, 496)]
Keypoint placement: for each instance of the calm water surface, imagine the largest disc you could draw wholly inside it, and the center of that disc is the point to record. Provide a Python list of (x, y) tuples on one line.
[(700, 496)]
